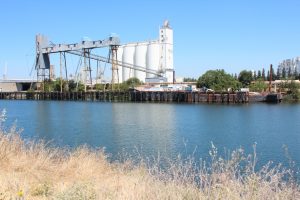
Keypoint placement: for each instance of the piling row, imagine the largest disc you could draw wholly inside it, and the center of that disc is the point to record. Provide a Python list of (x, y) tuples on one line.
[(191, 97), (136, 96)]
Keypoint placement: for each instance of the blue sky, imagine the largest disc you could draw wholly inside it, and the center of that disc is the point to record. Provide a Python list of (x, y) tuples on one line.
[(208, 34)]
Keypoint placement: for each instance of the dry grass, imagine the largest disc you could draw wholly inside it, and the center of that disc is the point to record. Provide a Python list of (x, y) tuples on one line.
[(32, 170)]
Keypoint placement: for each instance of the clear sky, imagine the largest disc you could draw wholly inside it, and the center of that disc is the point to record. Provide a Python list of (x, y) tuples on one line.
[(208, 34)]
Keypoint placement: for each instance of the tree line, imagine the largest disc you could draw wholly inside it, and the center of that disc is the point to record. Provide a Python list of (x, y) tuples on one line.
[(63, 85), (220, 81), (246, 76)]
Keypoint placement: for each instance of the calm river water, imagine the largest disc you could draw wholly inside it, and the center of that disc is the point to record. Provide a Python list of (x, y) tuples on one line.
[(166, 128)]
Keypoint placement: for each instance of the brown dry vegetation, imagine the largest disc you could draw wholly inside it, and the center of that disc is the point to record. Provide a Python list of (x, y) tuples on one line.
[(32, 170)]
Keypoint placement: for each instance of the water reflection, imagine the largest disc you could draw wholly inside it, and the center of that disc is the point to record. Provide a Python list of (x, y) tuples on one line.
[(44, 121), (148, 128)]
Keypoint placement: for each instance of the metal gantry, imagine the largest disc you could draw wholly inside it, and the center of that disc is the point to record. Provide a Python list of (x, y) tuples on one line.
[(82, 49)]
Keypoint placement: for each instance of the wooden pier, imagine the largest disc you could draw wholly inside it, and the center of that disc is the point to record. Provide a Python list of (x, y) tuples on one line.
[(132, 96)]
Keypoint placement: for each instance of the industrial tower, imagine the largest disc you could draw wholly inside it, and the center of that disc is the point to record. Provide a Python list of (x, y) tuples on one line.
[(166, 54)]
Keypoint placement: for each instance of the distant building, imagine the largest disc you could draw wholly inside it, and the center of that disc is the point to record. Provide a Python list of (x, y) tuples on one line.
[(17, 85), (289, 64), (179, 79), (52, 72), (156, 80)]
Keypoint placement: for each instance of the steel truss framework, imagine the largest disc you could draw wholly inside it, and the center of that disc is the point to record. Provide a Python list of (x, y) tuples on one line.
[(83, 49)]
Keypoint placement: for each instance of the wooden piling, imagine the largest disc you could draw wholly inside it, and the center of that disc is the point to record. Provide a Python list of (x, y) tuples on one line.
[(135, 96)]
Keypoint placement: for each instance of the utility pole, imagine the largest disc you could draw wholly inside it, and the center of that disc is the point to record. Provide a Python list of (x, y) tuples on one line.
[(270, 78), (66, 71), (5, 71), (61, 85), (84, 70)]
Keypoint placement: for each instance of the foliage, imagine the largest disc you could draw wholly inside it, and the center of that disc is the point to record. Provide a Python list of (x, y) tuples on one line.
[(254, 76), (102, 86), (47, 86), (274, 77), (59, 84), (259, 74), (292, 89), (80, 87), (83, 191), (123, 86), (72, 86), (189, 79), (258, 86), (218, 80), (133, 82), (283, 76), (55, 86), (278, 74), (263, 74), (245, 77), (130, 83)]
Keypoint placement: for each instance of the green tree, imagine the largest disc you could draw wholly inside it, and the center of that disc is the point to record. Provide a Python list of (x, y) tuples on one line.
[(283, 73), (258, 74), (104, 86), (75, 86), (268, 75), (292, 90), (47, 86), (263, 74), (133, 82), (58, 83), (72, 85), (189, 80), (273, 74), (254, 76), (235, 76), (80, 87), (129, 83), (295, 75), (258, 86), (245, 77), (289, 72), (217, 80), (278, 74)]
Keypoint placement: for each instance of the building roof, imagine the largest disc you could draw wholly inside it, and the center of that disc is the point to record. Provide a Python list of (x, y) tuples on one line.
[(17, 81)]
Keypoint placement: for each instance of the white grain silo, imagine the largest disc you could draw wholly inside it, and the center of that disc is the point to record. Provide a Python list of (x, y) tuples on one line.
[(119, 59), (140, 60), (128, 57), (152, 58)]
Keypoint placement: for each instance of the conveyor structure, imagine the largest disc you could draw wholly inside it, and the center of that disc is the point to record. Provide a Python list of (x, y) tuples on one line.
[(83, 49)]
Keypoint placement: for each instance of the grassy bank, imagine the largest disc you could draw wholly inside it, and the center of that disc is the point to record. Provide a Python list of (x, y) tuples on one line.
[(33, 170)]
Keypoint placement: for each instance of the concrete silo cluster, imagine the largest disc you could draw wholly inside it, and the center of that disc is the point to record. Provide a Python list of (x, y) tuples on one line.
[(156, 55)]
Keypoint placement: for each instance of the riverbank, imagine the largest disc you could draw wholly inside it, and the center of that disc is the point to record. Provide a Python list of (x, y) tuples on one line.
[(35, 170)]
